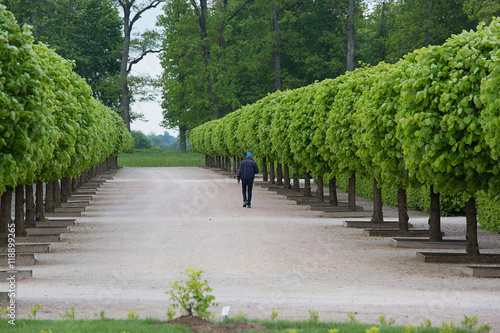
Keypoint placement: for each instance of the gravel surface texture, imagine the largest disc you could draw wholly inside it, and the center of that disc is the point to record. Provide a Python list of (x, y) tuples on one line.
[(148, 224)]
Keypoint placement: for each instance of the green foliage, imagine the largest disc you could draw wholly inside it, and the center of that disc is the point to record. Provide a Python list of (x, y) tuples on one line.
[(313, 317), (274, 314), (141, 141), (33, 311), (132, 315), (101, 315), (384, 322), (68, 314), (192, 295), (488, 211)]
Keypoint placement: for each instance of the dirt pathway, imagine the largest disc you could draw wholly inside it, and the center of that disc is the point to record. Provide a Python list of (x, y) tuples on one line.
[(148, 224)]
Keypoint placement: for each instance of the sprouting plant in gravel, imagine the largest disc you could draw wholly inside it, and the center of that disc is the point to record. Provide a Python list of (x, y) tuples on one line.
[(448, 328), (132, 315), (470, 323), (373, 330), (33, 311), (69, 314), (410, 329), (313, 317), (426, 323), (170, 314), (192, 295), (384, 322), (274, 314), (240, 316), (3, 311), (352, 318), (100, 316)]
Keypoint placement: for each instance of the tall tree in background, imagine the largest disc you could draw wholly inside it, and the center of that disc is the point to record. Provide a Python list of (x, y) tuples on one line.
[(147, 43), (482, 10), (86, 31)]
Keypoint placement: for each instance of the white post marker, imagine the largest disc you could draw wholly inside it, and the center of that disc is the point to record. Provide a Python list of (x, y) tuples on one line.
[(225, 312)]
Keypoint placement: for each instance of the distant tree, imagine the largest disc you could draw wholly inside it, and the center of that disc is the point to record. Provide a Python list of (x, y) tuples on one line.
[(158, 142), (145, 44), (141, 141)]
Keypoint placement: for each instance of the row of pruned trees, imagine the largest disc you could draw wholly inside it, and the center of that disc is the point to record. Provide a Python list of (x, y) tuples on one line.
[(432, 118), (51, 128)]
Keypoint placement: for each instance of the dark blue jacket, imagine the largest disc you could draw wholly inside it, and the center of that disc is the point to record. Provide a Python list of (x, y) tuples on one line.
[(248, 169)]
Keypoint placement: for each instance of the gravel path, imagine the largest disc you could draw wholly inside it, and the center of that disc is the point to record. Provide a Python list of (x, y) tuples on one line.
[(148, 224)]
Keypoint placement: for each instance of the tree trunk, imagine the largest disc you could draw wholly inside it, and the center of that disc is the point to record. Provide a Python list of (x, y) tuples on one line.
[(19, 211), (307, 186), (471, 236), (57, 193), (39, 207), (49, 198), (182, 139), (321, 194), (74, 184), (228, 164), (279, 174), (235, 165), (350, 37), (271, 172), (378, 214), (286, 175), (351, 197), (402, 210), (65, 188), (30, 207), (332, 186), (435, 217), (296, 182), (276, 49), (264, 170), (5, 216)]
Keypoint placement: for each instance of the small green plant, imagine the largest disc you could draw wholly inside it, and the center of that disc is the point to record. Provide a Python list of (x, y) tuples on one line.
[(274, 315), (170, 314), (240, 316), (313, 317), (470, 323), (333, 330), (192, 295), (410, 329), (373, 330), (101, 315), (292, 331), (384, 322), (448, 328), (69, 314), (426, 323), (484, 328), (3, 311), (132, 315), (352, 318), (33, 311), (49, 331)]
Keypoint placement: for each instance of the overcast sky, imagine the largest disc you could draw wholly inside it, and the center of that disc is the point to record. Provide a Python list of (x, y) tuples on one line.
[(149, 65)]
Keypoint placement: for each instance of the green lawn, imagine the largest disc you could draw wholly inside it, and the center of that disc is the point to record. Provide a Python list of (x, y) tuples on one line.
[(152, 325), (160, 158)]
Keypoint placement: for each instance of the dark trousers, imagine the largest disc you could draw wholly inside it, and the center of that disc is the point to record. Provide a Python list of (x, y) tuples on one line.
[(246, 187)]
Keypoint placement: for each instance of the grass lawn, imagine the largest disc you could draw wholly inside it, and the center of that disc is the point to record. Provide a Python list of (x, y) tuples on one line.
[(152, 325), (160, 158)]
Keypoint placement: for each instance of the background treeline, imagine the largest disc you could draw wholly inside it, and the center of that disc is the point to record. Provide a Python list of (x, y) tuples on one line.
[(152, 141), (51, 128), (222, 55), (431, 119)]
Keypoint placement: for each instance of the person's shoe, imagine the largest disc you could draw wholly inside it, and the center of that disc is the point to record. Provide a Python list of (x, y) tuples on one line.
[(244, 203), (249, 206)]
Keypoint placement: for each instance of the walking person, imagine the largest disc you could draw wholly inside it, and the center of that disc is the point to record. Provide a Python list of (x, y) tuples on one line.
[(246, 173)]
